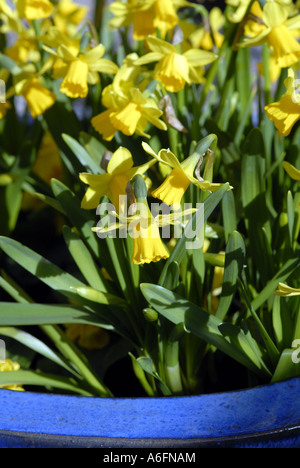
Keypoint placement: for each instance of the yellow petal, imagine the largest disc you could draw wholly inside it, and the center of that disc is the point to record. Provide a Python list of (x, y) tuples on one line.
[(197, 57), (98, 187), (38, 98), (286, 291), (121, 161), (148, 246), (75, 84), (284, 114), (160, 46), (143, 25), (103, 125), (291, 170), (173, 72), (274, 14), (173, 188), (126, 119), (286, 49)]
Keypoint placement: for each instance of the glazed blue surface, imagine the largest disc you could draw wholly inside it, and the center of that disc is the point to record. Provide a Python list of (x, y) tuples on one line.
[(232, 414)]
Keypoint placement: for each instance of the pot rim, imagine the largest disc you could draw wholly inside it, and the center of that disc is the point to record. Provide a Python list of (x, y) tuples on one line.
[(258, 410)]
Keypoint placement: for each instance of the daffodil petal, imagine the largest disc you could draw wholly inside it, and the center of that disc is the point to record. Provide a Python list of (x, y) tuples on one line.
[(274, 14), (120, 162), (291, 170), (94, 54), (160, 46), (149, 58), (167, 157), (198, 58)]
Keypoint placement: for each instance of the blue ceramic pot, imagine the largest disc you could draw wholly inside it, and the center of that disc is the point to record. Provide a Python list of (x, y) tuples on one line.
[(265, 416)]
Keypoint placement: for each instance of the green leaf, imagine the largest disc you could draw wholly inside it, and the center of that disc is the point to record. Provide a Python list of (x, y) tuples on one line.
[(35, 344), (288, 268), (178, 252), (81, 219), (82, 155), (234, 261), (84, 259), (147, 365), (200, 323), (42, 268), (40, 379), (229, 214), (9, 64), (288, 365), (94, 147), (13, 314), (253, 195)]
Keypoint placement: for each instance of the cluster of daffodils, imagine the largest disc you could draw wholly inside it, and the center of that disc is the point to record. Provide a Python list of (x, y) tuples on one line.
[(53, 53)]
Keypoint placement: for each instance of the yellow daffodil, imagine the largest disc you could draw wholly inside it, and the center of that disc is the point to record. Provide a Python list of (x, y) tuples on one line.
[(29, 84), (292, 171), (285, 112), (113, 183), (47, 165), (7, 366), (4, 106), (208, 35), (147, 243), (143, 226), (146, 16), (34, 9), (81, 69), (174, 69), (276, 29), (238, 14), (175, 185), (24, 47), (129, 113), (87, 336), (129, 108), (68, 15), (286, 291)]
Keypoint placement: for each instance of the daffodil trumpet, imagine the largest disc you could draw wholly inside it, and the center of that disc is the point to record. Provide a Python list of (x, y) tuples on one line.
[(143, 227)]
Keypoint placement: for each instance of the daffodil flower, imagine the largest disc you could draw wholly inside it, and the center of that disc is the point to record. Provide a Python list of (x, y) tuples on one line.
[(285, 112), (81, 69), (286, 291), (208, 37), (129, 108), (173, 69), (276, 30), (144, 229), (29, 84), (146, 16), (175, 185), (113, 183), (8, 366), (67, 15), (34, 9)]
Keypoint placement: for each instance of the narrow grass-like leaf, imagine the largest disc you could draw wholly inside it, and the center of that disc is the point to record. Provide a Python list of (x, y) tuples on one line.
[(24, 377), (286, 367), (229, 214), (178, 252), (35, 344), (81, 219), (288, 268), (13, 314), (198, 322), (84, 259), (82, 154), (234, 260)]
